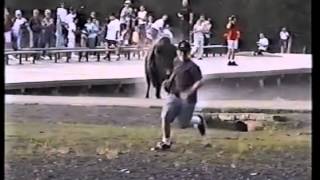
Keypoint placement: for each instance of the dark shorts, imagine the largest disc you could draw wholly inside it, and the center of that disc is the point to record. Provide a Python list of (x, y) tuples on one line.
[(112, 43), (284, 43), (176, 108)]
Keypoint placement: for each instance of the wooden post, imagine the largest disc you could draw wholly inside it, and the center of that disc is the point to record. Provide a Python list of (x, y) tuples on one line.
[(261, 83), (20, 58), (279, 81), (7, 59)]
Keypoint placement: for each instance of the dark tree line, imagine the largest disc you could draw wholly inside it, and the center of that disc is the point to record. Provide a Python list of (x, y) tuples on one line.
[(254, 16)]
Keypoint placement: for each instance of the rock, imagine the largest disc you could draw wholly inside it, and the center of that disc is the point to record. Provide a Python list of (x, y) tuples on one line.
[(254, 125), (63, 150), (233, 165), (304, 134), (208, 145), (151, 178), (253, 174), (280, 118)]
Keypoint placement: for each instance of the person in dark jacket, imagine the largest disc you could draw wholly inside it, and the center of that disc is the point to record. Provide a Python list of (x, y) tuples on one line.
[(36, 28)]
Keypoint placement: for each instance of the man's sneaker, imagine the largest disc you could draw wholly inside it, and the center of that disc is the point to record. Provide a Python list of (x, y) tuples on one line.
[(162, 146), (202, 126), (230, 63)]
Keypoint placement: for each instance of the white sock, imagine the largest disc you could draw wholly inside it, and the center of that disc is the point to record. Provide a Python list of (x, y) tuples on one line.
[(166, 140)]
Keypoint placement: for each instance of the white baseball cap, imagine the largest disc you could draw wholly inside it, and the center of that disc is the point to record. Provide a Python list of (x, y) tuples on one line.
[(18, 12), (127, 2)]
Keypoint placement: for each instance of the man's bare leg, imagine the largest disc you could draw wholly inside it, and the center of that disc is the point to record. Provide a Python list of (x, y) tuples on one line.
[(233, 54), (166, 130)]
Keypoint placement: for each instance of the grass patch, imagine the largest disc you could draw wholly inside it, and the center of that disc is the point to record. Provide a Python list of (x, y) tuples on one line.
[(28, 139)]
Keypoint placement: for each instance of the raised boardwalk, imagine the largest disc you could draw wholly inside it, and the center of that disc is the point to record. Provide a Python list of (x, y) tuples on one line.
[(49, 74)]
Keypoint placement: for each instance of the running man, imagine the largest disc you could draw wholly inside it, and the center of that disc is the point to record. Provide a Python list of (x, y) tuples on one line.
[(182, 87), (233, 37)]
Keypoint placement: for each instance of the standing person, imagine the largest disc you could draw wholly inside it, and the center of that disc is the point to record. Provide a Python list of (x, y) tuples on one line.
[(186, 20), (125, 13), (7, 28), (112, 37), (19, 24), (284, 40), (198, 37), (263, 44), (157, 27), (36, 28), (142, 21), (72, 27), (182, 87), (92, 30), (149, 29), (62, 12), (207, 34), (233, 37), (48, 32), (71, 16)]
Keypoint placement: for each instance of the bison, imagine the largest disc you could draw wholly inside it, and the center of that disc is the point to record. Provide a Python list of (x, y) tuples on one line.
[(159, 64)]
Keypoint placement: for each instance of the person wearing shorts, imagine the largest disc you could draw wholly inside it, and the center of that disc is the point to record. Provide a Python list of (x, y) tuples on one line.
[(113, 35), (233, 37), (182, 87)]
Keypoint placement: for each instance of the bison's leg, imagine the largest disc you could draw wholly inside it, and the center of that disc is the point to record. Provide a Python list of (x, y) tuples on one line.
[(148, 85), (158, 91)]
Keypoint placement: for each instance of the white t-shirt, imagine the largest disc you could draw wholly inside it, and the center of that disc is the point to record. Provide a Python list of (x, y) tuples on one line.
[(263, 44), (17, 25), (124, 14), (284, 35), (69, 18), (113, 29), (142, 15), (198, 30), (62, 13), (71, 29), (158, 24)]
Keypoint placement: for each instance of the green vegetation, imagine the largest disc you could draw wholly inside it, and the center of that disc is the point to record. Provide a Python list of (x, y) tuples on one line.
[(28, 139)]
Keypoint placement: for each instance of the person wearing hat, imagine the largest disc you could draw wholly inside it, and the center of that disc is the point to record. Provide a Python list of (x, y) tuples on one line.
[(182, 87), (17, 29), (125, 13)]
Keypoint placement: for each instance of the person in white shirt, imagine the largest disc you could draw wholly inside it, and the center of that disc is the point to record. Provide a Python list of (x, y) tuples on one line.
[(72, 34), (198, 37), (284, 39), (113, 35), (142, 21), (71, 16), (16, 29), (62, 12), (263, 44), (157, 27)]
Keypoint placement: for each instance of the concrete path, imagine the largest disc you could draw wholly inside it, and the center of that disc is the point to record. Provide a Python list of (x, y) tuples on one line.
[(147, 103)]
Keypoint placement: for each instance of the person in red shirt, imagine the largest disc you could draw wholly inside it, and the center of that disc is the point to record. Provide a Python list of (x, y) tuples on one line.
[(233, 36)]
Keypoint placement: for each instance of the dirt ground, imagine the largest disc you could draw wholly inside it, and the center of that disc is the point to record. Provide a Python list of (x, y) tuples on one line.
[(33, 132)]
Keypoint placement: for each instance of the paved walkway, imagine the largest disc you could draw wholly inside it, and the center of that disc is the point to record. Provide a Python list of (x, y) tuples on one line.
[(211, 67), (147, 103)]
